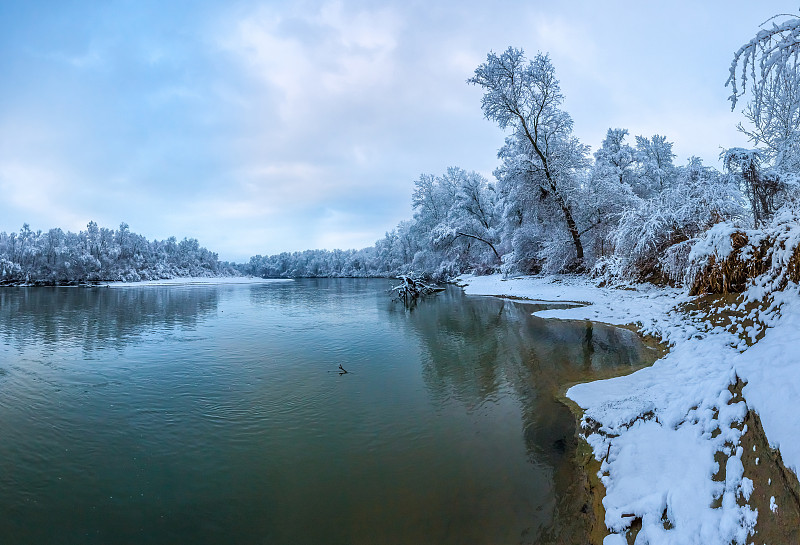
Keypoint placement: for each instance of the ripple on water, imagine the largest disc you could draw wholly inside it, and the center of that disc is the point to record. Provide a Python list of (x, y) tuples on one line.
[(208, 415)]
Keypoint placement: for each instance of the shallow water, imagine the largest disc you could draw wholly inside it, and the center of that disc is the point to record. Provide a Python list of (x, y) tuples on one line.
[(216, 414)]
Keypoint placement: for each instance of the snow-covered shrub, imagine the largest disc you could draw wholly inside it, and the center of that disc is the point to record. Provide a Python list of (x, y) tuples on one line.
[(699, 199), (731, 260)]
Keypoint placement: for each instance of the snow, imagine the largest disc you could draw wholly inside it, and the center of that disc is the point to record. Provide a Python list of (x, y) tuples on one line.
[(771, 370), (192, 281), (662, 432)]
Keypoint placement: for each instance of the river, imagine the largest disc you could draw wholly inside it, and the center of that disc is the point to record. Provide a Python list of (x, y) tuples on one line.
[(218, 414)]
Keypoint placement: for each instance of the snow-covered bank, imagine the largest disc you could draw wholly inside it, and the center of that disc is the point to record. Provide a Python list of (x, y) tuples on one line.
[(201, 280), (669, 435)]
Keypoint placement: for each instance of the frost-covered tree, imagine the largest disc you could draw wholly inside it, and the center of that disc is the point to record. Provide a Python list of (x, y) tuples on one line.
[(609, 191), (540, 157), (616, 157), (470, 228), (99, 254), (656, 170), (763, 187), (653, 239), (767, 57), (773, 120), (770, 61), (455, 223)]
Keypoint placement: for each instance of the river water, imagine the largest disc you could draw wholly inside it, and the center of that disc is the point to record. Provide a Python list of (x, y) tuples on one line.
[(217, 414)]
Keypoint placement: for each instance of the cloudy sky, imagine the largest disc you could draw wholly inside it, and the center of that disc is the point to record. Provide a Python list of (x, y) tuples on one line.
[(260, 127)]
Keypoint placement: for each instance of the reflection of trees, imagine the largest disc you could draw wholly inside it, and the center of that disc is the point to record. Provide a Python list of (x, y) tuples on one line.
[(318, 293), (98, 317), (477, 346), (473, 345)]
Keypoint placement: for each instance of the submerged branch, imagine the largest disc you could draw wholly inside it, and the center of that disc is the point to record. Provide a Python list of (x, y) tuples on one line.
[(412, 288)]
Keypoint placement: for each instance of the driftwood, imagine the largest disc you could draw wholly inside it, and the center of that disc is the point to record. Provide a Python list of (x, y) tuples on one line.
[(410, 288)]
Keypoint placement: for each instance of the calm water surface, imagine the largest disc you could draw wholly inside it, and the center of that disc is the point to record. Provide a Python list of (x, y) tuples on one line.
[(215, 414)]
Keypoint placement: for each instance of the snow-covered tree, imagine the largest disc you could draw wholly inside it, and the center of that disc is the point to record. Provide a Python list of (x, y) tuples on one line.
[(609, 191), (769, 174), (455, 223), (762, 186), (541, 156), (773, 120), (653, 239), (469, 232), (767, 57), (656, 170), (99, 254), (616, 157)]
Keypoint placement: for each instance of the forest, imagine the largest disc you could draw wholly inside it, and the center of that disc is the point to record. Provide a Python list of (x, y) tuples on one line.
[(99, 254), (625, 212)]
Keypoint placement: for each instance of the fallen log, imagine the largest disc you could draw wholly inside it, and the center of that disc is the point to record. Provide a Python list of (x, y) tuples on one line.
[(411, 288)]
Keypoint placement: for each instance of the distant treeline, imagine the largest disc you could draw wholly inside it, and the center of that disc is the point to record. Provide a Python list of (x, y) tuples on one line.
[(367, 262), (98, 254)]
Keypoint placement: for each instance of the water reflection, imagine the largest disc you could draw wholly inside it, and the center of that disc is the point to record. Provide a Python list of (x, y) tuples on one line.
[(444, 431), (475, 345), (479, 348), (95, 318)]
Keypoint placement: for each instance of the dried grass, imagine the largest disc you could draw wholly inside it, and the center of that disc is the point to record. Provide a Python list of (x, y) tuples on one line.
[(733, 274)]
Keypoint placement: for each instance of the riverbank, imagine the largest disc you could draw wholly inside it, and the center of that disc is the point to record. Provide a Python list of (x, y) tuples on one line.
[(670, 439)]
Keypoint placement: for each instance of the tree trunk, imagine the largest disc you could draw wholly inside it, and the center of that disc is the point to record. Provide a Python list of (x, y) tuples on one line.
[(572, 228)]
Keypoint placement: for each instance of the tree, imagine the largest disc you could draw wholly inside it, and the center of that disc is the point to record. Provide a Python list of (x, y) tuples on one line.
[(541, 154), (609, 190), (615, 156), (768, 174), (774, 119), (653, 239), (455, 223), (471, 217), (654, 156), (762, 187), (767, 56)]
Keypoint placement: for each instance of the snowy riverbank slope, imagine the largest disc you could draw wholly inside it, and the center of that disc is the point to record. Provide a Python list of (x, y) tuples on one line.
[(669, 435)]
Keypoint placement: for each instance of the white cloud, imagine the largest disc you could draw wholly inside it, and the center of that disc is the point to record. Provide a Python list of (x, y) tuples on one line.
[(332, 55), (343, 230), (39, 192)]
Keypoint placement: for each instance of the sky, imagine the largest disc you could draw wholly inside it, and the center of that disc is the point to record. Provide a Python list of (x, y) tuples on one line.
[(263, 127)]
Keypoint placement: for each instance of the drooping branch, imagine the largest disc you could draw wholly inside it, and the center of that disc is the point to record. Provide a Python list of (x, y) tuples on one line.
[(476, 237), (771, 50)]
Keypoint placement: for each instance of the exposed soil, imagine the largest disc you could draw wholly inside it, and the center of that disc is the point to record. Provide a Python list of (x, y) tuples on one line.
[(771, 479)]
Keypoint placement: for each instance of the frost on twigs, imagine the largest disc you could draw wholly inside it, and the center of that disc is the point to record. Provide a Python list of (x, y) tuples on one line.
[(770, 54)]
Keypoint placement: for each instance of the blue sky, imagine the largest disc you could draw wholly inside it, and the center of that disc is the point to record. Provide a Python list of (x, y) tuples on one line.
[(260, 127)]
